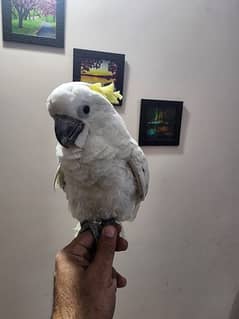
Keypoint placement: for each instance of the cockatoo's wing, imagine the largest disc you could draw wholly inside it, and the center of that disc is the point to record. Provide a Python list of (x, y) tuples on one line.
[(59, 180), (139, 166)]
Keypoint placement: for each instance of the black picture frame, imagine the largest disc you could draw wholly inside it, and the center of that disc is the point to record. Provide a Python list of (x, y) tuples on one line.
[(50, 36), (114, 62), (160, 122)]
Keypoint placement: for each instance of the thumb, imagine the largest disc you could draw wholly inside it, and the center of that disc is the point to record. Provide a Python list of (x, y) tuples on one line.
[(105, 252)]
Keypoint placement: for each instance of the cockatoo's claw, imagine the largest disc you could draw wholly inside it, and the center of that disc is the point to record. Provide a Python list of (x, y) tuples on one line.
[(96, 226)]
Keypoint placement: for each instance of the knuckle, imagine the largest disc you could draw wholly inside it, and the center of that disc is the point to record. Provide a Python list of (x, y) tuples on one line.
[(109, 245), (60, 256), (110, 249)]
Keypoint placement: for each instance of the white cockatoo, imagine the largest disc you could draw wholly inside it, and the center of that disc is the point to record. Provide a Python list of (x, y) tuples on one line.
[(102, 170)]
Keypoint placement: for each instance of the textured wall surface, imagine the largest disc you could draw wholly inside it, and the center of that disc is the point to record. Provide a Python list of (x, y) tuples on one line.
[(183, 258)]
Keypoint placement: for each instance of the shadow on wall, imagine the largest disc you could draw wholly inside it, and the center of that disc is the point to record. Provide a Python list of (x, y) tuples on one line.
[(121, 109), (33, 47), (235, 308)]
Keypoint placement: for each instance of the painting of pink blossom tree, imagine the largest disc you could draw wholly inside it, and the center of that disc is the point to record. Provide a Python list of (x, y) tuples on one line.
[(39, 22), (34, 17)]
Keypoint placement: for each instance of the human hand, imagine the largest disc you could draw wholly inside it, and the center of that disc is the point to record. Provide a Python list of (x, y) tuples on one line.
[(85, 282)]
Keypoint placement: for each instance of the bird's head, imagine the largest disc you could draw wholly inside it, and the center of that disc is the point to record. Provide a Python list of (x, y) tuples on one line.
[(78, 110)]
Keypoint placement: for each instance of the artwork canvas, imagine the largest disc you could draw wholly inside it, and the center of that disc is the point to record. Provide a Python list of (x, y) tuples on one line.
[(99, 67), (160, 122), (34, 21)]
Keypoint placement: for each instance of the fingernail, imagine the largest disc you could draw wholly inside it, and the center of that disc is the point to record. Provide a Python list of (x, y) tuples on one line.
[(109, 231)]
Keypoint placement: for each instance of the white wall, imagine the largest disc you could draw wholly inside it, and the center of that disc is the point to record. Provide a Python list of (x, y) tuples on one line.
[(183, 259)]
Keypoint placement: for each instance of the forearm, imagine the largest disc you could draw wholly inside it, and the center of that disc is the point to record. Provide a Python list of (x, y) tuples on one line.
[(63, 305), (63, 310), (65, 314)]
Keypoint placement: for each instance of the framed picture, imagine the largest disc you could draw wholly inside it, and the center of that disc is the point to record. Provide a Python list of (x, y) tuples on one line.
[(99, 67), (160, 122), (34, 21)]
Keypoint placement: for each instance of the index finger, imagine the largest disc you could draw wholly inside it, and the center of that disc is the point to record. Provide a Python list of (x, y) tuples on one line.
[(105, 252), (82, 244)]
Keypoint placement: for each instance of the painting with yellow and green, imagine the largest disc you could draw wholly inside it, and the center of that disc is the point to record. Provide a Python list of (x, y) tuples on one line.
[(98, 71)]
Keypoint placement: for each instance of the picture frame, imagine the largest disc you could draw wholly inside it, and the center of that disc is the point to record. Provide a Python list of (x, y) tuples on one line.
[(160, 122), (38, 22), (99, 67)]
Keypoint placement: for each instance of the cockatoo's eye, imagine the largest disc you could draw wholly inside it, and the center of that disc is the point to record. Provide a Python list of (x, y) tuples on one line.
[(86, 109), (83, 111)]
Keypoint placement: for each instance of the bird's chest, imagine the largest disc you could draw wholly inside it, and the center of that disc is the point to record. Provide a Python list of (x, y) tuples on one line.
[(99, 172), (98, 164)]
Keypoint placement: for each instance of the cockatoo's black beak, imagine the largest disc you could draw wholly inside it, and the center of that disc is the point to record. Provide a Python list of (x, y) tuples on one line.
[(67, 129)]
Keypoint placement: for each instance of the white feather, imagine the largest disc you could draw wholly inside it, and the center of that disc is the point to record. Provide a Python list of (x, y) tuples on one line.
[(106, 174)]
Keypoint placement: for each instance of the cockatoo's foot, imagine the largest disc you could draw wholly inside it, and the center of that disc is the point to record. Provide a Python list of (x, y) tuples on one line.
[(96, 226)]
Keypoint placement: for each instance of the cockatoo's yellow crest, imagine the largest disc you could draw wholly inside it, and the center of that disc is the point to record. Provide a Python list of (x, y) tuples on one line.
[(108, 92)]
